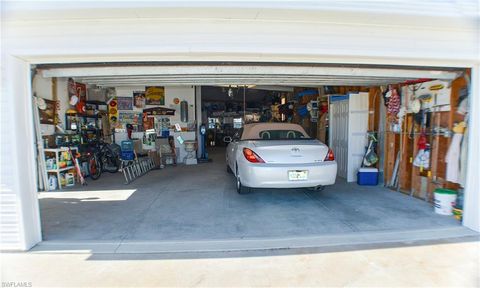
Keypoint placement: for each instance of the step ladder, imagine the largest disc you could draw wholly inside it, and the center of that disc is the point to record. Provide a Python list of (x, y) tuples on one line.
[(134, 169)]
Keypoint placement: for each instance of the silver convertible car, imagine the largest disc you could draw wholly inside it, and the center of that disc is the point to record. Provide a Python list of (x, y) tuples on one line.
[(278, 155)]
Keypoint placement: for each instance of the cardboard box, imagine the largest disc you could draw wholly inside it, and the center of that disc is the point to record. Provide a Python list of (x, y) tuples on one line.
[(137, 146), (156, 158), (97, 94)]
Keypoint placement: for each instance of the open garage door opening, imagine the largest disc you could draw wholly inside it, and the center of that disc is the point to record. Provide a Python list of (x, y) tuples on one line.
[(152, 140)]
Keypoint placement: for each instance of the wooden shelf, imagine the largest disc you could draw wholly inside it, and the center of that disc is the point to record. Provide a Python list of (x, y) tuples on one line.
[(61, 169), (57, 171)]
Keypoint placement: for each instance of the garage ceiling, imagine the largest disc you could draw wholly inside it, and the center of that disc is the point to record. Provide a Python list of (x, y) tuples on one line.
[(306, 75)]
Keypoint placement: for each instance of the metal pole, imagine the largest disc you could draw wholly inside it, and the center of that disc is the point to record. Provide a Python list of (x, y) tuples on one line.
[(244, 105)]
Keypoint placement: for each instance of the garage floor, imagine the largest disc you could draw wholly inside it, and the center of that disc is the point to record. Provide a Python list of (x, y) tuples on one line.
[(200, 202)]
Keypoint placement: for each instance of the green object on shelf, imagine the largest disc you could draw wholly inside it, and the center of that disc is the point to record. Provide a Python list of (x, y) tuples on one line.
[(445, 191)]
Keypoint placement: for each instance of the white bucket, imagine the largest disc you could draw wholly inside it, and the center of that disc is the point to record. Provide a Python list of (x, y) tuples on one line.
[(444, 201)]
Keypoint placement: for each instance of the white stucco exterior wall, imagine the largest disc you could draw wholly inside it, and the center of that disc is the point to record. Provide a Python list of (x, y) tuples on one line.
[(355, 32), (19, 208)]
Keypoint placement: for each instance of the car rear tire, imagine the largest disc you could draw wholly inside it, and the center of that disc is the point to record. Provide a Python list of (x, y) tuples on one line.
[(240, 188), (229, 170)]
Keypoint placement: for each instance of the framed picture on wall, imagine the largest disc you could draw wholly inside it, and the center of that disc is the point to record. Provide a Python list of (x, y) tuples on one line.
[(125, 103), (47, 110), (81, 91), (139, 99), (130, 118), (77, 89), (155, 95)]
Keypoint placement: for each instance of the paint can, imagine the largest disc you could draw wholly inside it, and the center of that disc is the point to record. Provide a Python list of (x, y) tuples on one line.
[(444, 201)]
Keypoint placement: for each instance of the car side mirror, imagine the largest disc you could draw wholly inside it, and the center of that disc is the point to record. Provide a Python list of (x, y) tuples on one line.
[(227, 139)]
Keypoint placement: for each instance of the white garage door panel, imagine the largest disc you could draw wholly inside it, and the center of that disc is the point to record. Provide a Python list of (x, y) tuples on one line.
[(264, 33), (215, 73)]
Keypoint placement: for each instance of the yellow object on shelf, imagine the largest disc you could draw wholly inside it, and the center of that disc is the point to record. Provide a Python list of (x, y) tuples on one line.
[(457, 213)]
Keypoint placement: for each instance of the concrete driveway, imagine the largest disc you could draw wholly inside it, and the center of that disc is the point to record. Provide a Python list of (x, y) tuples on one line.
[(439, 264), (190, 203)]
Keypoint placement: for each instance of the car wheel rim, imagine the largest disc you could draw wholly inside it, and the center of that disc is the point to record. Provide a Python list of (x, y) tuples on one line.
[(238, 182)]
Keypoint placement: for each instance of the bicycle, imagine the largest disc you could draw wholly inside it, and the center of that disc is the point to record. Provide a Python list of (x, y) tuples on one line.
[(104, 157)]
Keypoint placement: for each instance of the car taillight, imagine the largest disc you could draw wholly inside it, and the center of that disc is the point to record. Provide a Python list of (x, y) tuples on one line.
[(251, 156), (330, 156)]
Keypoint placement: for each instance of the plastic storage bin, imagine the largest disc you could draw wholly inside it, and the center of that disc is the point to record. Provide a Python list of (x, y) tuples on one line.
[(367, 176), (128, 155), (127, 145), (165, 133)]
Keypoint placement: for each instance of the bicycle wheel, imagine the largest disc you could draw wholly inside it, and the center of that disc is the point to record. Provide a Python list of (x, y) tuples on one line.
[(94, 167)]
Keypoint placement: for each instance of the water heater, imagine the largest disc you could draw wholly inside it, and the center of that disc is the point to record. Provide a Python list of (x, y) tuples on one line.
[(184, 111)]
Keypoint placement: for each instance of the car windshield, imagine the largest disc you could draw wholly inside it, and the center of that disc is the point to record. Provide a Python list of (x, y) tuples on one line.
[(281, 134)]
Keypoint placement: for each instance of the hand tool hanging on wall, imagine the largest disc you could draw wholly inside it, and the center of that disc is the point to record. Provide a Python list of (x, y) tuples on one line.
[(422, 159), (370, 158)]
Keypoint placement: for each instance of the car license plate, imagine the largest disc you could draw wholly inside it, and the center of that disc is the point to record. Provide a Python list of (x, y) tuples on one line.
[(297, 175)]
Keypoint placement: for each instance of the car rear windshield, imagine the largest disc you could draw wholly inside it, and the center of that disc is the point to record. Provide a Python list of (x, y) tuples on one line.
[(281, 135)]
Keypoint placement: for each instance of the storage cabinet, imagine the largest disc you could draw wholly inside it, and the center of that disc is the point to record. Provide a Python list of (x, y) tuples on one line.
[(348, 132)]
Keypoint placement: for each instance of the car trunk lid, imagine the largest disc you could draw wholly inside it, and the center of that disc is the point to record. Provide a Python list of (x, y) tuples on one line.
[(291, 151)]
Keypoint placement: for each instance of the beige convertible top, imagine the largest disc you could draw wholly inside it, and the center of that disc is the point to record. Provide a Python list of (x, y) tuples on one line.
[(252, 131)]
